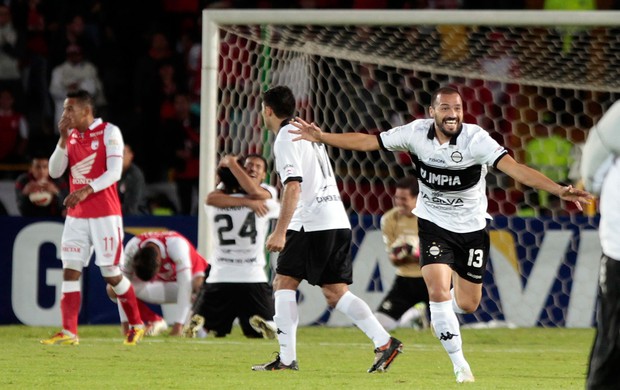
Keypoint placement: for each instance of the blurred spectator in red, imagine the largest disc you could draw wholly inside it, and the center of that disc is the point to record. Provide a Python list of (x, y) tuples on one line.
[(38, 195), (183, 133), (72, 75), (13, 130)]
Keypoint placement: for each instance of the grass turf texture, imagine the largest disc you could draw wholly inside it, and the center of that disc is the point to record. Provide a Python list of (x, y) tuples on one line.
[(334, 358)]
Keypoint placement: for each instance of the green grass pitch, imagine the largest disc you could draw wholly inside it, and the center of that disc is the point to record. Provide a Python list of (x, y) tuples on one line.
[(329, 358)]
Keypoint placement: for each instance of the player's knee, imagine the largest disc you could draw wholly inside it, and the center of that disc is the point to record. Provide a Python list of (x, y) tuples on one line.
[(333, 293), (110, 271), (110, 292), (468, 305), (72, 269)]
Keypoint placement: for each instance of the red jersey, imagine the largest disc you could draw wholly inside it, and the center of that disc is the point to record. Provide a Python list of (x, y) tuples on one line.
[(177, 253), (88, 153)]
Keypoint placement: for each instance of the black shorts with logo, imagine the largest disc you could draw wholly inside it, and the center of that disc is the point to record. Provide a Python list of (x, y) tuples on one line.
[(466, 253), (221, 303), (405, 293), (320, 257)]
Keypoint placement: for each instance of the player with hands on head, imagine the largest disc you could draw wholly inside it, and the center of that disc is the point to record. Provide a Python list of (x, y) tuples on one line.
[(240, 208), (92, 150), (450, 159), (313, 236)]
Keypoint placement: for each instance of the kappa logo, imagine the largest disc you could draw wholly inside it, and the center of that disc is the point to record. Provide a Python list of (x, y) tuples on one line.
[(447, 336), (83, 168)]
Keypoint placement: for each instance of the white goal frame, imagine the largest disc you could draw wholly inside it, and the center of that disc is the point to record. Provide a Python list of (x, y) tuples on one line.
[(213, 19)]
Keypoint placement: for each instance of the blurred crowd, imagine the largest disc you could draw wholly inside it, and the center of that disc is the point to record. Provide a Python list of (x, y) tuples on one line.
[(141, 62)]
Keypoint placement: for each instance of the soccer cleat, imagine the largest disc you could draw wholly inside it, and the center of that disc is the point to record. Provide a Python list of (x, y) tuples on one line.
[(276, 365), (156, 328), (421, 322), (259, 324), (464, 375), (133, 336), (61, 338), (385, 355), (193, 326)]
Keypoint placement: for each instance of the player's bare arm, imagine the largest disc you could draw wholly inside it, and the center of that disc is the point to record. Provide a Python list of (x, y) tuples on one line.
[(533, 178), (350, 141), (250, 185), (290, 198), (77, 196), (222, 200)]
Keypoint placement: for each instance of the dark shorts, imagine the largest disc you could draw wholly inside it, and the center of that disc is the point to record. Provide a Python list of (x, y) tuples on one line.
[(321, 257), (466, 253), (603, 372), (405, 293), (221, 303)]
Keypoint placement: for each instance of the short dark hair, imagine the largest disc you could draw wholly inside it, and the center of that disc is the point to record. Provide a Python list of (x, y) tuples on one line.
[(444, 91), (281, 100), (255, 155), (145, 263), (409, 183), (230, 182), (83, 97)]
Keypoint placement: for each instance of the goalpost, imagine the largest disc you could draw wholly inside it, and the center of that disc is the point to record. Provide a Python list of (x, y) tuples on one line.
[(536, 80)]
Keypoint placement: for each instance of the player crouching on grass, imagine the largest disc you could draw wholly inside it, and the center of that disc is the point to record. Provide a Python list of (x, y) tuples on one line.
[(163, 267)]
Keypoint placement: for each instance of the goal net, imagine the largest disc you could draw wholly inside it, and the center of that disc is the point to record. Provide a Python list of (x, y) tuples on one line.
[(536, 81)]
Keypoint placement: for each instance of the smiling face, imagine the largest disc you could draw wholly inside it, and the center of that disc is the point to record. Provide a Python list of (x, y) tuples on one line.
[(447, 111), (404, 201), (255, 167)]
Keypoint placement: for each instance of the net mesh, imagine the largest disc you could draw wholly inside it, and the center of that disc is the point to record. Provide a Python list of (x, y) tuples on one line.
[(536, 90)]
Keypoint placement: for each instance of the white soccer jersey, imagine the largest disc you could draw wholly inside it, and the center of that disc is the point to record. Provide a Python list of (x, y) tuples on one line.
[(239, 241), (320, 206), (609, 226), (452, 175)]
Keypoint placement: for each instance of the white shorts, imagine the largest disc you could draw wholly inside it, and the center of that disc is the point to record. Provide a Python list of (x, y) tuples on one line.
[(81, 235)]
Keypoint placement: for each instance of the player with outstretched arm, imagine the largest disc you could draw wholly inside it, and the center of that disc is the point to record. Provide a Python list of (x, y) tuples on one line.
[(450, 159)]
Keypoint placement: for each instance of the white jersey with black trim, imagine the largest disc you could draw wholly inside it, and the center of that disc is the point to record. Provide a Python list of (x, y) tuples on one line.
[(320, 206), (239, 241), (451, 175), (609, 226)]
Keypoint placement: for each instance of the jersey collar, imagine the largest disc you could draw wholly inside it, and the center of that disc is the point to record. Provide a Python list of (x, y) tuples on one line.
[(95, 123)]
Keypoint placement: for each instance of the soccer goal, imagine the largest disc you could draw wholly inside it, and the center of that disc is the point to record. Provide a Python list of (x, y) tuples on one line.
[(537, 81)]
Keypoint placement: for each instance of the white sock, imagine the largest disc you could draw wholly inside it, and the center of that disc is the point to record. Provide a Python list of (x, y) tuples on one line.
[(361, 315), (286, 320), (448, 331), (455, 305)]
